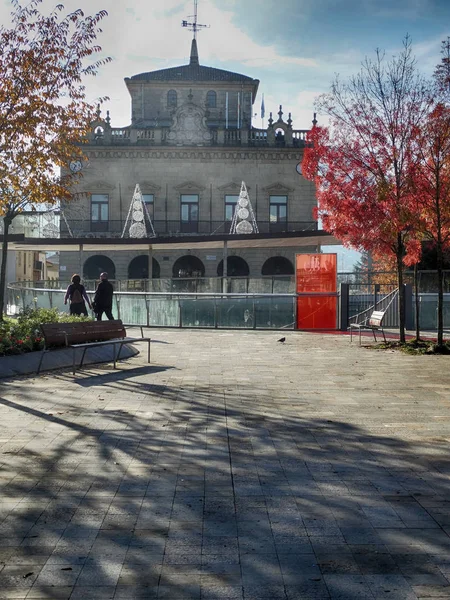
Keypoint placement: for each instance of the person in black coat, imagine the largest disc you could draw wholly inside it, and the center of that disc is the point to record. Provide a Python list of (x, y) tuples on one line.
[(103, 298)]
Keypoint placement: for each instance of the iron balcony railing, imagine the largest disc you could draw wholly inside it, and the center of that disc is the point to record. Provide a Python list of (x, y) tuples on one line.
[(115, 228)]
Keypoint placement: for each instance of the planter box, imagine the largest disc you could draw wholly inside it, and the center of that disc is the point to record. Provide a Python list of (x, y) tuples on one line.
[(26, 364)]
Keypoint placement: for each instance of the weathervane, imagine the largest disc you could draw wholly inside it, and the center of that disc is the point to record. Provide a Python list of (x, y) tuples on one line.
[(194, 26)]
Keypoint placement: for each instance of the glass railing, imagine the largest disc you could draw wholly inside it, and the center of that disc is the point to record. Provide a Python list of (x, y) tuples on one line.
[(245, 310)]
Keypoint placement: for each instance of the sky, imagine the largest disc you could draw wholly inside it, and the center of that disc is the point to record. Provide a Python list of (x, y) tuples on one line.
[(294, 47)]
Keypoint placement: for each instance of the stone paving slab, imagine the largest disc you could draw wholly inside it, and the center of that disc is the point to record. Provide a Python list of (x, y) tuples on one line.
[(233, 467)]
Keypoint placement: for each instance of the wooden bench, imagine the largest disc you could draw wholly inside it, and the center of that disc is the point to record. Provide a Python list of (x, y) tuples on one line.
[(374, 323), (87, 334)]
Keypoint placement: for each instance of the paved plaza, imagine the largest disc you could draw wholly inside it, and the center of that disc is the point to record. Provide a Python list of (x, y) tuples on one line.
[(233, 467)]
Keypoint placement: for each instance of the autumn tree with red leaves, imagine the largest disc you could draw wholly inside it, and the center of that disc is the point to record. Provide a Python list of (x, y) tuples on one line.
[(432, 193), (44, 114), (361, 164)]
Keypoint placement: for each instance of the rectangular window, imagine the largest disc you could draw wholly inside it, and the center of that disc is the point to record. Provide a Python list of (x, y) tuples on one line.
[(189, 213), (149, 204), (99, 212), (230, 206), (278, 213)]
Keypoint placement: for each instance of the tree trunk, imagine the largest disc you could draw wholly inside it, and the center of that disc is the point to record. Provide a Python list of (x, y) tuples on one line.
[(6, 223), (401, 290), (440, 303), (417, 301)]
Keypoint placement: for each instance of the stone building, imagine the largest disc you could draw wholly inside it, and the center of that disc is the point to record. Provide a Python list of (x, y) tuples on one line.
[(189, 146)]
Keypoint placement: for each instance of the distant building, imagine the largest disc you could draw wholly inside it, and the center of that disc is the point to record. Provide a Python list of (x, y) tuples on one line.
[(52, 266), (190, 144), (31, 265)]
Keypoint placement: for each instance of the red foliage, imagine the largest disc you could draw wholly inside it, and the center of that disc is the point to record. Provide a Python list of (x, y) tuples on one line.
[(432, 178), (358, 199)]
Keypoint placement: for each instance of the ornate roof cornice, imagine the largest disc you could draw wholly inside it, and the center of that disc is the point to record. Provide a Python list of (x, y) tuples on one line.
[(278, 154)]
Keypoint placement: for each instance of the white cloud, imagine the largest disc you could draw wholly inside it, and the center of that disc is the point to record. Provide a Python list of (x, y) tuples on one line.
[(143, 37), (146, 36)]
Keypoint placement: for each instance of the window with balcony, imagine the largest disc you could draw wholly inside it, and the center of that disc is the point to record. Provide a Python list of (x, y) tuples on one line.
[(230, 206), (211, 99), (278, 213), (171, 99), (99, 212), (149, 204), (189, 213)]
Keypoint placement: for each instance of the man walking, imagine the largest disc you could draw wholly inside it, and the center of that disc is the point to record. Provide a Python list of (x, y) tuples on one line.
[(103, 298)]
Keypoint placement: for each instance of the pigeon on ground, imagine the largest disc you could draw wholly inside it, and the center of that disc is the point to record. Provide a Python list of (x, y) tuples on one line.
[(282, 340)]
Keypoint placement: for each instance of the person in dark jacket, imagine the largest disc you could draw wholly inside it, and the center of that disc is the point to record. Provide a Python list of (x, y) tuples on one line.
[(103, 298), (77, 295)]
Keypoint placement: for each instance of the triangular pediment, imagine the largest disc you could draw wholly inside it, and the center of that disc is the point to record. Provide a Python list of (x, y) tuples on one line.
[(149, 187), (233, 187), (278, 188), (189, 186), (99, 186)]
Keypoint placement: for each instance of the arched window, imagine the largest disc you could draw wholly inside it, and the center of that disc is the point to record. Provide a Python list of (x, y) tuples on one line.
[(236, 267), (97, 264), (277, 265), (211, 99), (188, 266), (171, 99), (138, 268)]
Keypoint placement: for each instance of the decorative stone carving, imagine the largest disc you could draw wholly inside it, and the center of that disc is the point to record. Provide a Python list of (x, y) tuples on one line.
[(278, 187), (149, 187), (254, 155), (189, 126), (101, 186), (189, 186)]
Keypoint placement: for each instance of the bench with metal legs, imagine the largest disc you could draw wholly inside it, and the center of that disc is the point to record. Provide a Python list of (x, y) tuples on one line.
[(87, 334)]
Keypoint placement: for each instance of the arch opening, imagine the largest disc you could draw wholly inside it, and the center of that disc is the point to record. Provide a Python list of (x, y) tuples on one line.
[(188, 266), (97, 264), (236, 267), (277, 265), (138, 268)]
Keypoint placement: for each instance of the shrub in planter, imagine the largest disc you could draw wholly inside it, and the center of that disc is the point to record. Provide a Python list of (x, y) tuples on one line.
[(23, 334)]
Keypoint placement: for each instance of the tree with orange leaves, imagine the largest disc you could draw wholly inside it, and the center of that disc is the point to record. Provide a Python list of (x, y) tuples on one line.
[(361, 165), (44, 113)]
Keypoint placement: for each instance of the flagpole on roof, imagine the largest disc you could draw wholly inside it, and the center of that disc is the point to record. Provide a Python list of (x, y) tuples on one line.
[(263, 112), (226, 110)]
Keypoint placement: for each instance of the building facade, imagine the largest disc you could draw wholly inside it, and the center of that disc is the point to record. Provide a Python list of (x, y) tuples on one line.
[(190, 144)]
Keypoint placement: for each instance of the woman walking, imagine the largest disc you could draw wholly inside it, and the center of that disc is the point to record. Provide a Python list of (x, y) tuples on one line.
[(76, 294)]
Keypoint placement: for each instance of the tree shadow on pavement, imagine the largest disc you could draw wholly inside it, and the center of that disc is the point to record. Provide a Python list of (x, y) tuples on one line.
[(194, 492)]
